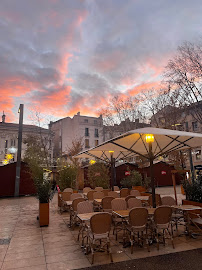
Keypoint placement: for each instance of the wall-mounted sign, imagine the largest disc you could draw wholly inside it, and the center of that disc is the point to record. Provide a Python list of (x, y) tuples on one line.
[(127, 173), (163, 172), (198, 167)]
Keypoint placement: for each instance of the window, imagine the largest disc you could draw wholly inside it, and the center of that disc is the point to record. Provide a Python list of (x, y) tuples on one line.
[(96, 132), (195, 126), (85, 120), (198, 154), (95, 122), (96, 142), (6, 144), (87, 143), (86, 131)]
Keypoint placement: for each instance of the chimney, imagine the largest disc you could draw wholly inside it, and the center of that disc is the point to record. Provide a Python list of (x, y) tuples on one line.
[(78, 113), (3, 117)]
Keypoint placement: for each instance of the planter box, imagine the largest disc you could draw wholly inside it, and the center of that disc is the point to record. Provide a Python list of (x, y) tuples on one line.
[(43, 214), (139, 188)]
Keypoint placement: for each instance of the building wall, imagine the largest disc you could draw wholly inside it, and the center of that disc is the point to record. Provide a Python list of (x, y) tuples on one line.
[(68, 129), (9, 138), (183, 121)]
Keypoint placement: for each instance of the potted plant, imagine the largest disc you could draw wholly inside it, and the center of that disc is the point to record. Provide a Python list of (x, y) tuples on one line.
[(134, 180), (43, 189), (193, 191)]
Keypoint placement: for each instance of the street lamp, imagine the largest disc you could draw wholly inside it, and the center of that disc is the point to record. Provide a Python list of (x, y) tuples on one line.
[(149, 138)]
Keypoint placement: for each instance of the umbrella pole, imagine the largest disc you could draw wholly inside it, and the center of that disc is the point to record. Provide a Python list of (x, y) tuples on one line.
[(112, 172), (151, 159), (174, 186)]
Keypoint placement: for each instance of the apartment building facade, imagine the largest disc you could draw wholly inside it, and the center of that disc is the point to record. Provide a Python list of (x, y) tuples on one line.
[(9, 138), (184, 120), (87, 129)]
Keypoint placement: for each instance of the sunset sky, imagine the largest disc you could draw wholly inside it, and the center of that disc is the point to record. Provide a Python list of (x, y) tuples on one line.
[(59, 57)]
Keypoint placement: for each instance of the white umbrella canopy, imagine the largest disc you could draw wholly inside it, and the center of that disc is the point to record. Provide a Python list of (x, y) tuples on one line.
[(165, 141), (134, 143)]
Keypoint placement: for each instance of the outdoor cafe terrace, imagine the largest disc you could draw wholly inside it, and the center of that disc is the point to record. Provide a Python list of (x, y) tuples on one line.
[(26, 245)]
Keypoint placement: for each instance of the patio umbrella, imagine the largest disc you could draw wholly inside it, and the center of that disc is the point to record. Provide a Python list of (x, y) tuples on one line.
[(149, 143)]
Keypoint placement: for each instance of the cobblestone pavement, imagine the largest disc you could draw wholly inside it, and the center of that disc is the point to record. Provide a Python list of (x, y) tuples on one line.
[(24, 245)]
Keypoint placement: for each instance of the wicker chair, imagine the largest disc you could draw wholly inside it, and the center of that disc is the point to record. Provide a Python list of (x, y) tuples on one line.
[(98, 195), (68, 190), (99, 189), (135, 192), (195, 220), (100, 226), (137, 225), (134, 202), (162, 223), (106, 204), (106, 191), (90, 195), (83, 208), (116, 188), (65, 196), (177, 216), (86, 189), (113, 194), (75, 196), (128, 198), (73, 211), (118, 204), (158, 200), (124, 192)]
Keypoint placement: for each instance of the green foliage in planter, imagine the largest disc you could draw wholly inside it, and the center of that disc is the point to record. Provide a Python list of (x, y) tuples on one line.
[(134, 179), (43, 187), (98, 175), (67, 177), (146, 182), (193, 190)]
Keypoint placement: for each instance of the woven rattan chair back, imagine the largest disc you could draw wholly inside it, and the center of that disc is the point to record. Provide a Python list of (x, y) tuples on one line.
[(66, 196), (107, 202), (68, 190), (86, 189), (162, 215), (75, 196), (138, 217), (124, 192), (98, 195), (116, 188), (75, 203), (119, 204), (135, 192), (134, 202), (90, 195), (84, 207), (158, 200), (168, 200), (106, 191), (129, 197), (100, 223), (99, 189), (113, 194)]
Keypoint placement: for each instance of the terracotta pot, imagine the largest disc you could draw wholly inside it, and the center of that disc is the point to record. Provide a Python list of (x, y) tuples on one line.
[(43, 214), (139, 188), (75, 191)]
